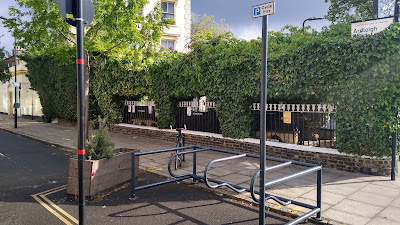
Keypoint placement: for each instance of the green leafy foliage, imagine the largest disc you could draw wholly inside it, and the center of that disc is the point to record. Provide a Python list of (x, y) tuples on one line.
[(115, 80), (349, 10), (205, 27), (99, 144), (55, 82), (5, 74), (359, 75)]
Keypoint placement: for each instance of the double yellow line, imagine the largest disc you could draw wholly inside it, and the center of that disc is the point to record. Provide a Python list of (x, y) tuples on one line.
[(53, 208), (153, 169)]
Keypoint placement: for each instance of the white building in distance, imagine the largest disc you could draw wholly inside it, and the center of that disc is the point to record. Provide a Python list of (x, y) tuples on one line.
[(177, 37)]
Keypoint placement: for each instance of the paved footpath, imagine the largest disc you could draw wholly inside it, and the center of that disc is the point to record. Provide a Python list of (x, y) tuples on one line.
[(347, 198)]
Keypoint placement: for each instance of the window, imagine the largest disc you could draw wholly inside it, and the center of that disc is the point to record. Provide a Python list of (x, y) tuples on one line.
[(168, 44), (168, 10)]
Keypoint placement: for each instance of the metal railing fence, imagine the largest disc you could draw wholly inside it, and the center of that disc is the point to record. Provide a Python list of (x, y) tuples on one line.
[(303, 124)]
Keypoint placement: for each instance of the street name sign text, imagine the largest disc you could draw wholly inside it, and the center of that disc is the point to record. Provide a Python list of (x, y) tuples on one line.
[(263, 9)]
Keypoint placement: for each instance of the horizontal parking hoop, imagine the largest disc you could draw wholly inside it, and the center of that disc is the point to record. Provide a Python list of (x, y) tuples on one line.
[(194, 149)]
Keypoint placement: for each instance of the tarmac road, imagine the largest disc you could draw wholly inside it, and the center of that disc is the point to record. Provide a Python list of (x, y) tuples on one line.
[(28, 168)]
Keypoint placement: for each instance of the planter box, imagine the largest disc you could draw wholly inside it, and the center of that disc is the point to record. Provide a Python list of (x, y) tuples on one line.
[(102, 174)]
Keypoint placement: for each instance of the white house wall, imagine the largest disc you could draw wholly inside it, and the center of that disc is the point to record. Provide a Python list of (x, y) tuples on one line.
[(30, 102), (180, 32)]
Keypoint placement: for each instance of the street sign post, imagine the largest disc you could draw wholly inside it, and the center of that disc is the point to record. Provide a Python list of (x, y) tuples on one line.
[(263, 11), (79, 13), (67, 11)]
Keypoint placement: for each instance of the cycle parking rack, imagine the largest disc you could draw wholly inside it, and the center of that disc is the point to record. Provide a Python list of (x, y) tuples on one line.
[(194, 149)]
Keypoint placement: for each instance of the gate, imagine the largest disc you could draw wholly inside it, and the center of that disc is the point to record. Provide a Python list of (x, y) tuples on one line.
[(198, 116), (140, 113)]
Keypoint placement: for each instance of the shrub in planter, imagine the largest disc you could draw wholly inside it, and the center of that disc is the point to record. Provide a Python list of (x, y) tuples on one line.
[(105, 167), (99, 145)]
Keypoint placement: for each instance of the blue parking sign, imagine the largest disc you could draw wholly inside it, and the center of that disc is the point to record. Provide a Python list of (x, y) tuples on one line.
[(256, 11)]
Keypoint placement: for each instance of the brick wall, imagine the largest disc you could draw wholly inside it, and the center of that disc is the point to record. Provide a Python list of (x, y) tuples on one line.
[(345, 162)]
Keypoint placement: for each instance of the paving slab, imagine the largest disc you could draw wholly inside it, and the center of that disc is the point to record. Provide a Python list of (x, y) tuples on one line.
[(344, 217), (382, 221), (371, 198), (381, 190), (358, 208), (391, 213)]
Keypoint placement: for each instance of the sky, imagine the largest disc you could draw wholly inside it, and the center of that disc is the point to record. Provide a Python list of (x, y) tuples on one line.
[(236, 13)]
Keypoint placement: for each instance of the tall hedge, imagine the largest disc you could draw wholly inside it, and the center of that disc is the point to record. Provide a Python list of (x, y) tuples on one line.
[(359, 75), (55, 83)]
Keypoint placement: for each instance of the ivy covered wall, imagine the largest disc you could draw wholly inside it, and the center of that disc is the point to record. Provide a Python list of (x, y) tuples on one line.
[(359, 75)]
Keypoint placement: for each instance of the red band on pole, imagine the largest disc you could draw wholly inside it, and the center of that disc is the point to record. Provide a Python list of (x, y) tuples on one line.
[(81, 152), (80, 61)]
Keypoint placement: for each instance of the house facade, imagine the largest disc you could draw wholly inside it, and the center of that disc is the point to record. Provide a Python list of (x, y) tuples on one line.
[(177, 37), (29, 100)]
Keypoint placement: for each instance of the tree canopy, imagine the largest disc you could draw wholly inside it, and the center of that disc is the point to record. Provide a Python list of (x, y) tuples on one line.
[(205, 27), (113, 30), (5, 74), (351, 10)]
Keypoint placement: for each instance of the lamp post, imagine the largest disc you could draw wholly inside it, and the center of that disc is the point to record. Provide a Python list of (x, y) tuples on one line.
[(15, 75), (313, 18)]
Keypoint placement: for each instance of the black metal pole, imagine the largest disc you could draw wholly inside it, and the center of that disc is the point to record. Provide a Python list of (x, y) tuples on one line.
[(15, 75), (133, 185), (81, 109), (394, 150), (194, 166), (375, 9), (263, 119), (309, 19), (319, 193)]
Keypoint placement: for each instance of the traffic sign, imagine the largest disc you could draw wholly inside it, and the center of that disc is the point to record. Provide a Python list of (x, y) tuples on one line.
[(16, 106), (263, 9), (15, 84), (67, 10)]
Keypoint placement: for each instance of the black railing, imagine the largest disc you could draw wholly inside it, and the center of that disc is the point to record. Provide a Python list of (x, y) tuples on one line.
[(199, 121), (310, 125), (140, 115), (305, 128)]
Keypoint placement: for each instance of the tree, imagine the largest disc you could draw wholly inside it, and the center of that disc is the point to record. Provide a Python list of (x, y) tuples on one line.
[(205, 27), (5, 74), (350, 10), (113, 31)]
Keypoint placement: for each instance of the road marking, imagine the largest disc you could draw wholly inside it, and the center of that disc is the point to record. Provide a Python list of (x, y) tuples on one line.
[(57, 208), (278, 207), (295, 210), (51, 210), (51, 189), (1, 154), (153, 169)]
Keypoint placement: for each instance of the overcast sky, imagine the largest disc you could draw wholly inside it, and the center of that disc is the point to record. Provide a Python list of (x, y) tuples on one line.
[(236, 13)]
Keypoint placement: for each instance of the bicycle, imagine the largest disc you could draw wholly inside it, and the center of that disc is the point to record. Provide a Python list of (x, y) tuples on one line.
[(180, 142)]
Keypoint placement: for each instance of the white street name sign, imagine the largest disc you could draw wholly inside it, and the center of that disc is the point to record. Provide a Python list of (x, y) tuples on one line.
[(370, 27), (14, 84), (264, 9)]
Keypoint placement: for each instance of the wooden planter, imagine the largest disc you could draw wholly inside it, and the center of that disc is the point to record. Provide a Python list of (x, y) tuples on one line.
[(102, 174)]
